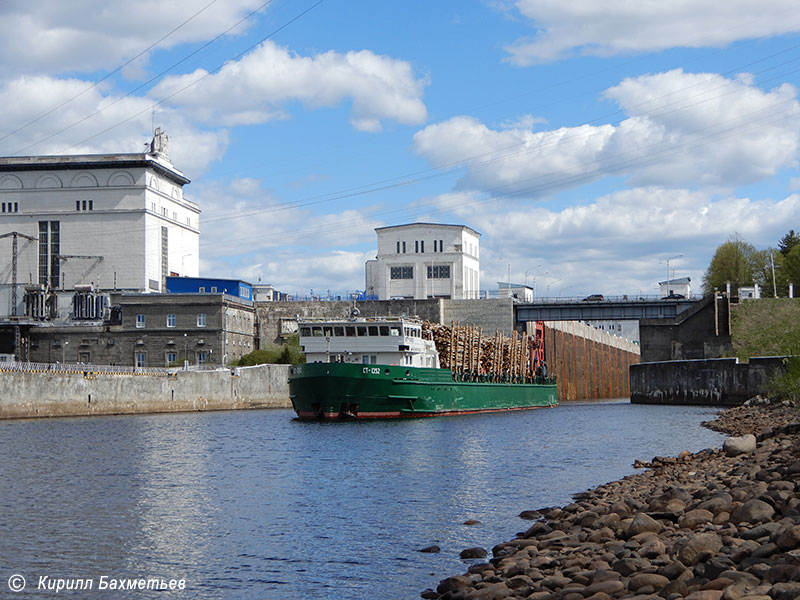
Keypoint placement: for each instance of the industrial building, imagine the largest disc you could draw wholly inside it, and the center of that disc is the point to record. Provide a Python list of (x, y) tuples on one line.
[(113, 221), (425, 260)]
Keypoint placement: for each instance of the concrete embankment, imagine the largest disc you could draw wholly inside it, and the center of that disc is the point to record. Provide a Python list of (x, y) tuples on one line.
[(78, 393), (711, 382), (718, 524)]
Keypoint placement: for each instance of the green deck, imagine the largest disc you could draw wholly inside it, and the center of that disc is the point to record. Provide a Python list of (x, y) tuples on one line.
[(339, 390)]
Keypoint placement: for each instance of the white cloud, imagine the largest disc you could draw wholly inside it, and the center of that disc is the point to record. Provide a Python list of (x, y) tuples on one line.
[(76, 129), (255, 88), (683, 129), (53, 36), (588, 27)]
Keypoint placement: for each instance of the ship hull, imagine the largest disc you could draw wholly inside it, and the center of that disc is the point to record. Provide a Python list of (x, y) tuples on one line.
[(352, 391)]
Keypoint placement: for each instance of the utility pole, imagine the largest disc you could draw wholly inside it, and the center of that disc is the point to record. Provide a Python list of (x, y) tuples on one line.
[(14, 235)]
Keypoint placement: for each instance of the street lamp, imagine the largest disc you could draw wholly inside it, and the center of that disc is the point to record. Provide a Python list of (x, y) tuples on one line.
[(669, 259), (185, 352), (562, 289), (551, 283), (63, 352), (528, 271)]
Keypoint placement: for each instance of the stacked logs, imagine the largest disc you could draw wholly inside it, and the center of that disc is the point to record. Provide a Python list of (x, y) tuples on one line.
[(474, 357)]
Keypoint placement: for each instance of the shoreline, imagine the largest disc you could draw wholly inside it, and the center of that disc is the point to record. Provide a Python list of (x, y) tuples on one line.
[(722, 523)]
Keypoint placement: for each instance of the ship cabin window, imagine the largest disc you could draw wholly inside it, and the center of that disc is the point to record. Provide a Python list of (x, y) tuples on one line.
[(394, 330), (362, 331), (316, 331), (369, 359), (350, 331), (305, 331), (327, 331), (338, 331), (373, 330), (384, 329)]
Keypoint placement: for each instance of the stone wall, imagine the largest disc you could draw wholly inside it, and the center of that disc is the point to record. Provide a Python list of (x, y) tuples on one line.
[(716, 382), (488, 314), (51, 394), (702, 331)]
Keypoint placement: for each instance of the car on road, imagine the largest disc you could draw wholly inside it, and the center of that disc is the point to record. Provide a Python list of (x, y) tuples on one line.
[(594, 298), (674, 297)]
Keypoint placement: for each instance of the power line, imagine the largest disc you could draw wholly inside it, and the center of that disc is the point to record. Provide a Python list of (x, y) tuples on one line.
[(109, 74)]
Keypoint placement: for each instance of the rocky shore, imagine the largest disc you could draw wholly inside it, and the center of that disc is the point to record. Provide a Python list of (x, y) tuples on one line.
[(720, 523)]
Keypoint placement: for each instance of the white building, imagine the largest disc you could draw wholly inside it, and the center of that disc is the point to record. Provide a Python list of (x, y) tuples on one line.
[(425, 260), (117, 221), (682, 286)]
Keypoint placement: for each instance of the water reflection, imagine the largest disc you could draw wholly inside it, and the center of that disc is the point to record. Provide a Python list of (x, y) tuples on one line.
[(256, 505)]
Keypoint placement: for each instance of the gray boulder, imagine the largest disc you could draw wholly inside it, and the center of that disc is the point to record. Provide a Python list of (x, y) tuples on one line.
[(734, 446)]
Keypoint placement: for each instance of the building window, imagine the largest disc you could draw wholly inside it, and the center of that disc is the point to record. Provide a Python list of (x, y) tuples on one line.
[(141, 359), (213, 289), (422, 247), (201, 289), (170, 320), (401, 272), (140, 320), (439, 272), (49, 253), (404, 247), (202, 357), (416, 246), (43, 258), (398, 243), (172, 357), (201, 319)]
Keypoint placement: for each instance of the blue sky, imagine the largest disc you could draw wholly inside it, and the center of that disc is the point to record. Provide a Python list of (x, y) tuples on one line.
[(588, 141)]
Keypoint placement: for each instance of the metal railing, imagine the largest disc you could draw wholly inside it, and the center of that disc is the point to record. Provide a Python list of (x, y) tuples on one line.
[(84, 368)]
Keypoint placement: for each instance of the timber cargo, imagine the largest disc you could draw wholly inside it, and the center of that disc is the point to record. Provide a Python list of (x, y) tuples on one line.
[(402, 367)]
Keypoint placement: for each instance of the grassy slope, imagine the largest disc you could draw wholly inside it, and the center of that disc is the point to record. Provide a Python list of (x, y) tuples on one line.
[(766, 327)]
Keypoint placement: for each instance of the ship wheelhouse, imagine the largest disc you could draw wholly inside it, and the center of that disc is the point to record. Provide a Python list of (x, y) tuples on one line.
[(384, 341)]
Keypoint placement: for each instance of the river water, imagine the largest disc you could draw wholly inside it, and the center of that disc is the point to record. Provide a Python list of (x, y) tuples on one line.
[(253, 504)]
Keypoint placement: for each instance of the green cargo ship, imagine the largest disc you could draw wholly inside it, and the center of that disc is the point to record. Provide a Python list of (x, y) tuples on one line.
[(385, 368)]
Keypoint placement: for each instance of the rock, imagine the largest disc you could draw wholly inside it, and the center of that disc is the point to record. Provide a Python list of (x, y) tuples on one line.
[(694, 518), (705, 595), (430, 549), (609, 586), (789, 538), (530, 515), (641, 523), (752, 511), (451, 584), (429, 594), (785, 591), (473, 553), (647, 579), (471, 522), (735, 446), (699, 547), (629, 566)]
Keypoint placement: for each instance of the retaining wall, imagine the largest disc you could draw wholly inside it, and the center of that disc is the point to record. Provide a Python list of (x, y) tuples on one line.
[(715, 382), (589, 364), (51, 394)]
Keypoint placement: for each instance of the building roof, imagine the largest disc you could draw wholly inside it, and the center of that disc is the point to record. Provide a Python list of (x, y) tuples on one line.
[(428, 225), (74, 162), (676, 280)]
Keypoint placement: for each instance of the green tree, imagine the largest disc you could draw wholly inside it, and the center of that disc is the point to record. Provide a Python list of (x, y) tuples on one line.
[(735, 261), (790, 270), (789, 241), (288, 353)]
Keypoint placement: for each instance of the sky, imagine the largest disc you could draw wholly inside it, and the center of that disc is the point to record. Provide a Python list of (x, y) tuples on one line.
[(598, 146)]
